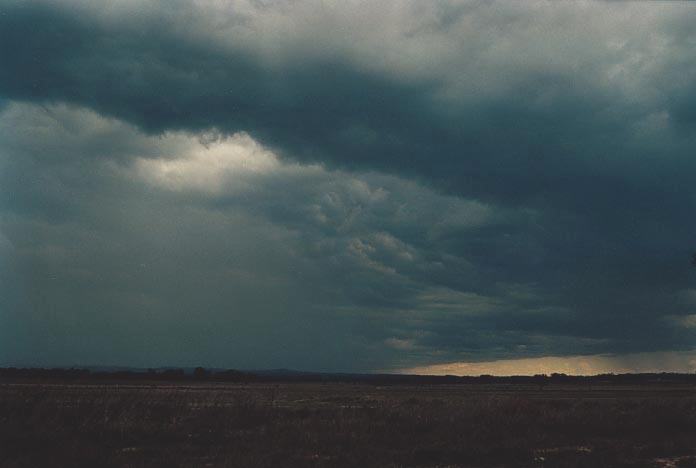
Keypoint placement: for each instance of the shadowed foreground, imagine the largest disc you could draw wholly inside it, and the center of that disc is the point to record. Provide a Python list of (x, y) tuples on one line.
[(236, 425)]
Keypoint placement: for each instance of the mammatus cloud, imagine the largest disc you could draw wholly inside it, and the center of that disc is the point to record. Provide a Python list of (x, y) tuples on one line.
[(217, 242), (396, 183)]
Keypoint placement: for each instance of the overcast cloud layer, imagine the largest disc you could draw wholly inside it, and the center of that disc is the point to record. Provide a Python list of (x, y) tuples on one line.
[(348, 186)]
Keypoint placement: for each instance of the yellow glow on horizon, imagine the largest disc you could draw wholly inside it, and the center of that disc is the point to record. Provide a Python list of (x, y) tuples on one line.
[(668, 361)]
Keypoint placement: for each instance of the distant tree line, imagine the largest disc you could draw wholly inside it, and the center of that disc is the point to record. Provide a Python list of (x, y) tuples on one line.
[(198, 374), (201, 374)]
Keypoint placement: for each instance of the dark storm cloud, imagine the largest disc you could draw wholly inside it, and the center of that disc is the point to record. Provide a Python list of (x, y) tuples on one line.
[(523, 134), (179, 248), (565, 129)]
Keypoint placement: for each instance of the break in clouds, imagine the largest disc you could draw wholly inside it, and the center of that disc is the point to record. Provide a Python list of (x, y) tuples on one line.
[(351, 186)]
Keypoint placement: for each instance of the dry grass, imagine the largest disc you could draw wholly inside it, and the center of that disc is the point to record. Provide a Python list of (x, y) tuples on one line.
[(343, 425)]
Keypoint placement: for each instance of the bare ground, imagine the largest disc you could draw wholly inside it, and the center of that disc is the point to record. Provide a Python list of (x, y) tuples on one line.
[(344, 425)]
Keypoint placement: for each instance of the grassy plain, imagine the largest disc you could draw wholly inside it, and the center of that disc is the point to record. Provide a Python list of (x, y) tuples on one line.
[(345, 425)]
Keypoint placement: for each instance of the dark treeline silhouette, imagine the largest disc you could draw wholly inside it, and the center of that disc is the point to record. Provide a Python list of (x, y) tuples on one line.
[(174, 375), (200, 374)]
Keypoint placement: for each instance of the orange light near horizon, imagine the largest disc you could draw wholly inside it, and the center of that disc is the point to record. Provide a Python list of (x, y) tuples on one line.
[(667, 361)]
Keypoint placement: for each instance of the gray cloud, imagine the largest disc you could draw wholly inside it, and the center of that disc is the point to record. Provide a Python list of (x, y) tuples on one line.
[(414, 182)]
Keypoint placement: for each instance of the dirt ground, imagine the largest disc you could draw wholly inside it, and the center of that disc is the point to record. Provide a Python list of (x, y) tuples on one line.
[(345, 425)]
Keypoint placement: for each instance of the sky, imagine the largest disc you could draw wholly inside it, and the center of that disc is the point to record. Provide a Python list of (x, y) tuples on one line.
[(442, 187)]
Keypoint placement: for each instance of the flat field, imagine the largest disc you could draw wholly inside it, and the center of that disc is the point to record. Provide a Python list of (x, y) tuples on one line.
[(345, 425)]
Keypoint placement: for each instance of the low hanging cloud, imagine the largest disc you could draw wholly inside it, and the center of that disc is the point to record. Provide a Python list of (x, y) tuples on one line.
[(399, 184), (191, 231)]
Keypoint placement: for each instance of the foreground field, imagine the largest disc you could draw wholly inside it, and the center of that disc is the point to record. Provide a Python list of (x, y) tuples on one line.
[(343, 425)]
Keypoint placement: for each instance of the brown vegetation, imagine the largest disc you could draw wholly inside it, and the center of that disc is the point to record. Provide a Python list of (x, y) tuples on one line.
[(344, 425)]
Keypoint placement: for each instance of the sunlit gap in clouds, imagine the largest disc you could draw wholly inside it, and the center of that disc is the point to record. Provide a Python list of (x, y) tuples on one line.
[(669, 361), (209, 164)]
